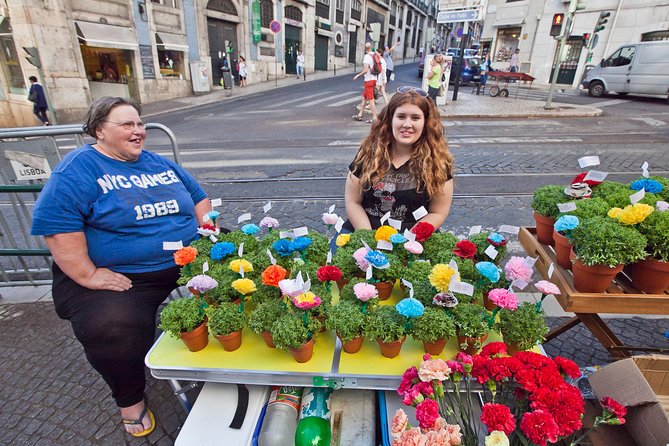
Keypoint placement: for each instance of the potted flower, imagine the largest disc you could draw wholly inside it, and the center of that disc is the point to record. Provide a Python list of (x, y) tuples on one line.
[(484, 239), (290, 332), (471, 326), (185, 319), (592, 207), (544, 203), (439, 246), (226, 322), (562, 236), (651, 274), (602, 247), (522, 328), (265, 314), (606, 189), (348, 321), (387, 327), (434, 328)]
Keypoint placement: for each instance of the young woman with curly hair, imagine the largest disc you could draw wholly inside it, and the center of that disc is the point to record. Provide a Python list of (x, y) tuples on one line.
[(402, 165)]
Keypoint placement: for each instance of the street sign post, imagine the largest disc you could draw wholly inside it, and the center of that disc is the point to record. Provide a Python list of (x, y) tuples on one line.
[(275, 27), (454, 15)]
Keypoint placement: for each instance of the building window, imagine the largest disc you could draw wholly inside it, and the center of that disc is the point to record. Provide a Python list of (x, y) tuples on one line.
[(266, 13), (293, 13), (171, 63), (10, 60), (170, 3), (506, 44), (106, 64), (224, 6)]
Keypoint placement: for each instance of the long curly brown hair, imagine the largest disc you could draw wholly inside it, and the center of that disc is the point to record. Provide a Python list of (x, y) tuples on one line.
[(431, 162)]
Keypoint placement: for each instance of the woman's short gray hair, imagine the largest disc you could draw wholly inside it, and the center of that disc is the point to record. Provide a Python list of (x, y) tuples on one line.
[(99, 110)]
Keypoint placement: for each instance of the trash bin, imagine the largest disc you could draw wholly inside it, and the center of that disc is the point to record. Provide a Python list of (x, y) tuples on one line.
[(227, 78)]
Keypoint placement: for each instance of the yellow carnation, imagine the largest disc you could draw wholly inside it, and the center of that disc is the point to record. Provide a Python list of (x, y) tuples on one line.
[(238, 264), (441, 276), (614, 212), (244, 286), (342, 239), (635, 213), (384, 232), (497, 438)]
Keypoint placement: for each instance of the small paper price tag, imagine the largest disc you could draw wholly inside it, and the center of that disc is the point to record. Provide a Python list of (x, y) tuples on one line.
[(644, 169), (453, 264), (491, 252), (241, 271), (205, 267), (216, 202), (419, 213), (475, 230), (385, 217), (461, 287), (302, 231), (213, 238), (530, 261), (566, 207), (409, 286), (409, 235), (172, 246), (637, 196), (509, 229), (240, 251), (271, 257), (331, 209), (382, 244), (206, 218), (588, 161), (520, 284), (244, 217), (339, 224), (286, 234), (267, 207), (595, 175), (328, 259), (551, 269), (368, 273), (397, 224), (364, 243)]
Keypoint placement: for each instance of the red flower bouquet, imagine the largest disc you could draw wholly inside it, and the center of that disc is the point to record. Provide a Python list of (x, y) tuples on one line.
[(423, 231), (328, 273), (465, 249)]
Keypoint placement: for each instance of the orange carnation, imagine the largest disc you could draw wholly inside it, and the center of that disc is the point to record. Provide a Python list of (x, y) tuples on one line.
[(184, 256), (273, 274)]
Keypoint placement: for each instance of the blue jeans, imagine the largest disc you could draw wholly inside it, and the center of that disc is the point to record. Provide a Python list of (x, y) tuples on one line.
[(300, 70)]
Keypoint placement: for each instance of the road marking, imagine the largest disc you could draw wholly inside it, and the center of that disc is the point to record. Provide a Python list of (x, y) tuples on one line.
[(343, 143), (511, 140), (608, 103), (651, 121), (498, 123), (318, 101), (248, 163), (356, 98), (301, 98)]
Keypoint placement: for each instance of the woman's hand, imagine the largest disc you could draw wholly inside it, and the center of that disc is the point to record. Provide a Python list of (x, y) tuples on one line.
[(106, 279)]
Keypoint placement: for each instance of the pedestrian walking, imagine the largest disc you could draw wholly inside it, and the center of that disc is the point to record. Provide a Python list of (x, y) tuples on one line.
[(402, 165), (242, 70), (381, 79), (370, 84), (434, 77), (110, 271), (299, 65), (515, 61), (37, 97), (388, 57)]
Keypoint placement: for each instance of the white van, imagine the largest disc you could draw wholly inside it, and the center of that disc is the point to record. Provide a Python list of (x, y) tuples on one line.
[(641, 68)]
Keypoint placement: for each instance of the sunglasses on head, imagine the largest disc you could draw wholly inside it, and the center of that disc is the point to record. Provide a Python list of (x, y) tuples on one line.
[(416, 90)]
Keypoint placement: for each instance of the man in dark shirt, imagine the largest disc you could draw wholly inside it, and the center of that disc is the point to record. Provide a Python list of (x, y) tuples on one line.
[(36, 96)]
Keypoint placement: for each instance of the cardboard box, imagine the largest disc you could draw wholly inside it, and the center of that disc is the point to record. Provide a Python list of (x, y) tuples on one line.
[(647, 422)]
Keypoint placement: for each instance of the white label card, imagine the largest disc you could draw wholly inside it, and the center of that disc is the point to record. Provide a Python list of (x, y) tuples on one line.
[(206, 218), (331, 209), (491, 252), (530, 261), (595, 175), (509, 229), (409, 285), (453, 265), (302, 231), (551, 269), (213, 238), (520, 284), (328, 259), (368, 273), (172, 246), (567, 207), (285, 234), (216, 202), (267, 207), (364, 243), (205, 267), (241, 271), (588, 161), (397, 224), (240, 251), (419, 213), (339, 224), (461, 287), (409, 235), (636, 197), (244, 217), (475, 230), (382, 244), (385, 217), (271, 257), (644, 169)]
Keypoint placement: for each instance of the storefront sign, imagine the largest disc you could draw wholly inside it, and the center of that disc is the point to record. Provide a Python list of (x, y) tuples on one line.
[(146, 56), (28, 166), (255, 22)]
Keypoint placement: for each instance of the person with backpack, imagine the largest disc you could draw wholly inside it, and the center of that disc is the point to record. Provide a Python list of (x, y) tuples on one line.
[(370, 70)]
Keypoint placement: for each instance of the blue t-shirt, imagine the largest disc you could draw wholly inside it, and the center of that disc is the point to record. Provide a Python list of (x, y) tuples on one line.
[(125, 209)]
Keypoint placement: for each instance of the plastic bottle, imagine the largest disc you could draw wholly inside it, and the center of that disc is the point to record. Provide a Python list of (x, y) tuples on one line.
[(313, 428), (278, 427)]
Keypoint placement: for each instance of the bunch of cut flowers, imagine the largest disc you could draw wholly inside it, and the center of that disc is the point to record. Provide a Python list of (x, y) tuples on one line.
[(526, 400)]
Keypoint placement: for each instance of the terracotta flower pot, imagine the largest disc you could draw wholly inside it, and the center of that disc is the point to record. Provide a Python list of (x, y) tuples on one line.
[(593, 279), (385, 289), (197, 339), (267, 337), (471, 343), (650, 276), (487, 303), (434, 348), (391, 349), (230, 342), (304, 352), (544, 229), (341, 283), (354, 345), (512, 348), (562, 250)]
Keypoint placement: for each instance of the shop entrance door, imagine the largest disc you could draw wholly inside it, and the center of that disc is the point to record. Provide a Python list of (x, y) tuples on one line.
[(293, 44), (219, 33), (352, 44), (321, 53), (569, 61)]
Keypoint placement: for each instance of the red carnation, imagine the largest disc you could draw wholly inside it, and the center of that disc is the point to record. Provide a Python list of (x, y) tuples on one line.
[(408, 378), (498, 417), (423, 231), (568, 367), (208, 226), (613, 406), (493, 349), (328, 273), (465, 249), (539, 427), (579, 179), (427, 413)]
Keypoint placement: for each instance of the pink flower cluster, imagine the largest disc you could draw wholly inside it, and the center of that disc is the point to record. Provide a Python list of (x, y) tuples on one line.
[(503, 298), (359, 256), (517, 269), (440, 434)]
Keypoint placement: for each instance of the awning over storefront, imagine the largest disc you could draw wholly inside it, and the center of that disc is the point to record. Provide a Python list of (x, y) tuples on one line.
[(174, 42), (509, 22), (106, 36)]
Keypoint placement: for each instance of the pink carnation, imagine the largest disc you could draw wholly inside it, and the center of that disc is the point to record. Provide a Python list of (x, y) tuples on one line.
[(330, 219), (427, 413), (517, 269), (365, 291), (360, 260), (503, 298), (434, 369), (269, 222), (411, 437), (547, 287), (413, 247), (400, 422)]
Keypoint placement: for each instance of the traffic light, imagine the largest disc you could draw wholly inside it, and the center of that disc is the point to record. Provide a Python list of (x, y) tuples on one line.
[(586, 39), (576, 5), (33, 56), (556, 26), (602, 21)]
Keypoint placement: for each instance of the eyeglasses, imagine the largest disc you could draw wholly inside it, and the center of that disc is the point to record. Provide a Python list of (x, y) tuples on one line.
[(129, 125), (418, 91)]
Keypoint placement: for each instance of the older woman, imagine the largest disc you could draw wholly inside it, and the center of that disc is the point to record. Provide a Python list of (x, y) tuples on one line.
[(105, 213)]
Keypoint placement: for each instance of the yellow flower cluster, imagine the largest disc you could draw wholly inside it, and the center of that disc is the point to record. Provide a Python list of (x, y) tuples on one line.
[(384, 232), (238, 264), (342, 239), (441, 276), (244, 286), (631, 214)]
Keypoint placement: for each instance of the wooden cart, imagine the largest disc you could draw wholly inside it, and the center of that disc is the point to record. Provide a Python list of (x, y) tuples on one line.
[(502, 79)]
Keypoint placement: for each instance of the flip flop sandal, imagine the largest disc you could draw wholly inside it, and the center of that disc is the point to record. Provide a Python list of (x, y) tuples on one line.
[(356, 118), (369, 121), (138, 421)]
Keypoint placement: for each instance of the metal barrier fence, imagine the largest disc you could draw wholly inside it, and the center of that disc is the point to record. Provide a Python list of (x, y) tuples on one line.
[(27, 156)]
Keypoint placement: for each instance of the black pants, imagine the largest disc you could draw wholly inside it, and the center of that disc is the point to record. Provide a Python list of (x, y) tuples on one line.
[(116, 329), (41, 114), (433, 93)]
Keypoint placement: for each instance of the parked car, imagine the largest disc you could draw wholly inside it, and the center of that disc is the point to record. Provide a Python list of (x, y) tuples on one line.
[(471, 68)]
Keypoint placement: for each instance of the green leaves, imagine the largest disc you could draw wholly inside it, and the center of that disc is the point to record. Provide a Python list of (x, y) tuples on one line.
[(523, 327), (181, 315), (603, 241)]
